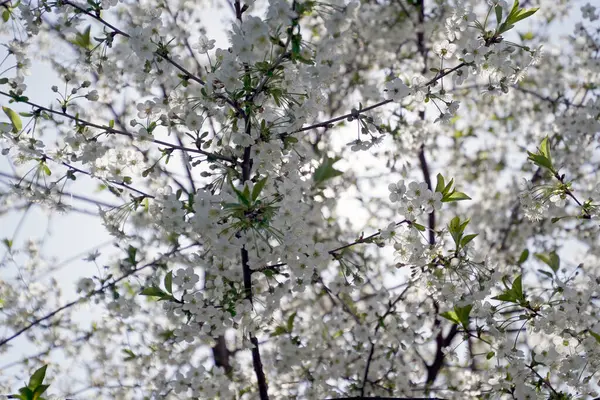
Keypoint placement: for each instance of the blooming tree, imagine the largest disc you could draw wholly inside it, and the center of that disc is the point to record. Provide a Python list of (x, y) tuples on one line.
[(357, 199)]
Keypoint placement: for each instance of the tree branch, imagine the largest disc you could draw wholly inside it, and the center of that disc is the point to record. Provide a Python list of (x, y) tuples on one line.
[(108, 129), (439, 76), (84, 298)]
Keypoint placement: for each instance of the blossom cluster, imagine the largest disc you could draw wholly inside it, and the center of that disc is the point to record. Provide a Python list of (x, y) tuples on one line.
[(234, 270)]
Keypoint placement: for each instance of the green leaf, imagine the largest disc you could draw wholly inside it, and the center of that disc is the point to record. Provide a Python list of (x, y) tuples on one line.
[(506, 296), (455, 196), (269, 273), (290, 322), (542, 158), (5, 15), (595, 336), (451, 316), (550, 259), (554, 261), (498, 10), (130, 355), (459, 315), (517, 287), (545, 148), (338, 334), (556, 219), (514, 294), (514, 8), (131, 253), (46, 169), (26, 394), (418, 227), (83, 40), (167, 297), (448, 186), (37, 378), (523, 257), (296, 45), (490, 355), (505, 27), (246, 192), (439, 187), (241, 197), (168, 281), (520, 15), (146, 172), (457, 228), (37, 393), (279, 330), (548, 274), (14, 119), (153, 291), (540, 161), (465, 240), (258, 187), (326, 171), (454, 229), (463, 314), (526, 36)]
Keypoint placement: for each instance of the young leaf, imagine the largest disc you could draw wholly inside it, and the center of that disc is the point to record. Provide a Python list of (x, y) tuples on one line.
[(258, 187), (439, 187), (498, 10), (37, 393), (290, 322), (279, 330), (459, 315), (552, 260), (131, 253), (467, 239), (326, 171), (46, 169), (14, 119), (448, 186), (418, 227), (514, 294), (545, 148), (246, 192), (546, 273), (506, 296), (455, 196), (130, 355), (153, 291), (83, 40), (37, 378), (168, 281), (540, 161), (243, 199), (517, 288), (457, 228), (523, 257), (463, 314), (451, 316)]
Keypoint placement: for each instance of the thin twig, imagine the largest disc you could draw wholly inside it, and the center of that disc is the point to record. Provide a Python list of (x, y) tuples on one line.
[(108, 129), (84, 298)]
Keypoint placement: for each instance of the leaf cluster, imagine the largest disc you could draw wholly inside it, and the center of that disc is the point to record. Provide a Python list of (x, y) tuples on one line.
[(35, 388)]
